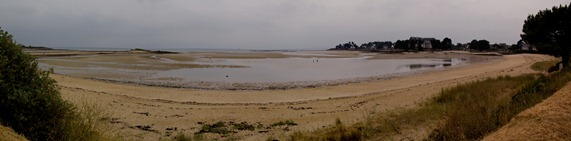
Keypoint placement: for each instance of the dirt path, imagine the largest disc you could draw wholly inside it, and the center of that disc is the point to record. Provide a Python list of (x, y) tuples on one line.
[(548, 120), (166, 108)]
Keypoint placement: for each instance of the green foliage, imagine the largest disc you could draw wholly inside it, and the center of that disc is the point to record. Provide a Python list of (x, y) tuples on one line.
[(218, 128), (224, 128), (480, 45), (543, 65), (550, 32), (447, 44), (30, 99)]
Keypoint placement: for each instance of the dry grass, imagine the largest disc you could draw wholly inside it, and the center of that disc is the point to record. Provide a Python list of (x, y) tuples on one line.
[(475, 109), (465, 112), (548, 120), (479, 115), (7, 134), (544, 65), (413, 122), (92, 124)]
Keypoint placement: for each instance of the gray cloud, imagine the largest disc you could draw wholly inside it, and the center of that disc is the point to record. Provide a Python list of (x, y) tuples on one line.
[(260, 24)]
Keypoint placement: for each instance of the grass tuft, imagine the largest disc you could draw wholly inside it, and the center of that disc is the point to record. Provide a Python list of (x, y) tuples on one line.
[(284, 123)]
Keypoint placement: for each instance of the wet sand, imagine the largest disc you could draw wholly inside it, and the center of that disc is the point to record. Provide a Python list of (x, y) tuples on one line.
[(255, 70), (162, 109)]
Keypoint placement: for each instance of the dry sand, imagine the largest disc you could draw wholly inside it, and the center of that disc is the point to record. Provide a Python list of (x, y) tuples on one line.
[(165, 108), (548, 120)]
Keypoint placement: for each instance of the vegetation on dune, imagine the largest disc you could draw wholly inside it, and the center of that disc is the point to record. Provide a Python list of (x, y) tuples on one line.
[(465, 112), (543, 65), (464, 122), (31, 102)]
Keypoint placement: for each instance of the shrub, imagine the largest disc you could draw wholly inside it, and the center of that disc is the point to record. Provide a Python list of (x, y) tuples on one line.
[(30, 101)]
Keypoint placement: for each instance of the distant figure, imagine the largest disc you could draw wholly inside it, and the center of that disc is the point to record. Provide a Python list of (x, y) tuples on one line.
[(554, 68), (317, 60)]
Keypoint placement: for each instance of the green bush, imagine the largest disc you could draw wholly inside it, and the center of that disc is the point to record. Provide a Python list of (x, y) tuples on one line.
[(30, 101)]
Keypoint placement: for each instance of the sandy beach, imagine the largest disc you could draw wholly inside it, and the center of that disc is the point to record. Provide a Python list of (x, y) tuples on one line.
[(171, 111)]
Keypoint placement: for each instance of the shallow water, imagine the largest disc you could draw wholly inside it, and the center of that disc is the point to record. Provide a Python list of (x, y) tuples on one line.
[(256, 70), (302, 69)]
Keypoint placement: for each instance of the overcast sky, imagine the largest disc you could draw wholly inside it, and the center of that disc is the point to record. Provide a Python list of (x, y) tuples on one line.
[(260, 24)]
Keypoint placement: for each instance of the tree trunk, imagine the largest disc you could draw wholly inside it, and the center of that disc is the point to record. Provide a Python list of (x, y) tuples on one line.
[(565, 60)]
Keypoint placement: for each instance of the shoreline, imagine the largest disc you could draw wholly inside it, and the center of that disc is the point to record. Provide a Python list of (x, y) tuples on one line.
[(280, 96), (262, 86), (175, 82), (311, 108)]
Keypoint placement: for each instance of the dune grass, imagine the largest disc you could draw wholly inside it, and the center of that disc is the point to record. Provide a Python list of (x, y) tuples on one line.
[(465, 112), (91, 124), (543, 65), (474, 116)]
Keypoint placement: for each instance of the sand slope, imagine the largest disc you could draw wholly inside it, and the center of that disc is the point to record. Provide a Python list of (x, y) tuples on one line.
[(162, 109), (7, 134), (548, 120)]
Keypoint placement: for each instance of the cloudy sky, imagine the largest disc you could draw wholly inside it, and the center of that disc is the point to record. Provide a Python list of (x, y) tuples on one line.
[(260, 24)]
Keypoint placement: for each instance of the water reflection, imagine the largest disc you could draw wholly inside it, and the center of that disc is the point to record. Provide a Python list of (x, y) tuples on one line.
[(429, 66)]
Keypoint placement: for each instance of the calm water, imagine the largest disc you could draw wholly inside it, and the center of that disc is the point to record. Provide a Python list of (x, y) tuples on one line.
[(302, 69), (264, 70)]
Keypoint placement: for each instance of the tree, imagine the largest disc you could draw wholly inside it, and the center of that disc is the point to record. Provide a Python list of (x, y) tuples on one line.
[(515, 48), (520, 44), (436, 44), (404, 45), (347, 46), (483, 45), (549, 31), (446, 44), (480, 45), (474, 44)]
